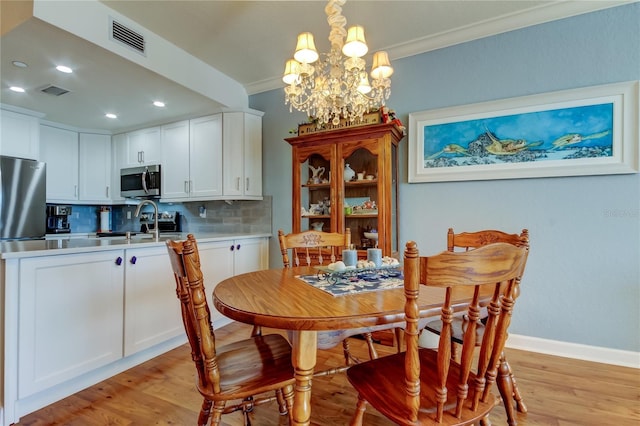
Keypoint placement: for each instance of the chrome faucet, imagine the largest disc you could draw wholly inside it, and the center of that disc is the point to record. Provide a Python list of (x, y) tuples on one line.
[(155, 216)]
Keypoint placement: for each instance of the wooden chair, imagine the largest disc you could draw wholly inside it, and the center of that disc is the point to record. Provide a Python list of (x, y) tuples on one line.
[(428, 387), (322, 248), (466, 241), (237, 372)]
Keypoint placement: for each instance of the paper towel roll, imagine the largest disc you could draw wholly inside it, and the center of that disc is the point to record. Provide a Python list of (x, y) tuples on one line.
[(105, 221)]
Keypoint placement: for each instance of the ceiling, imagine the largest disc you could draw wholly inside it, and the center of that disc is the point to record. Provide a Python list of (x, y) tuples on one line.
[(248, 41)]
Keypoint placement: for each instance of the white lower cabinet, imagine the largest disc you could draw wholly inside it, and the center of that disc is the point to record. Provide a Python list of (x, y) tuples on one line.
[(70, 317), (151, 309), (216, 263), (220, 260), (76, 319)]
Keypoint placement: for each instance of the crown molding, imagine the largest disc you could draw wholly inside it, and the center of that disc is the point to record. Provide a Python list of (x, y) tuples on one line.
[(526, 18)]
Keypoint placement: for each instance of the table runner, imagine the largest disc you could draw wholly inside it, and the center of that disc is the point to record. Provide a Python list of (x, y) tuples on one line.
[(355, 282)]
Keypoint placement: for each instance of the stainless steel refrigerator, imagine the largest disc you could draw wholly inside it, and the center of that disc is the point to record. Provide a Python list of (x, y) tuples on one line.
[(22, 198)]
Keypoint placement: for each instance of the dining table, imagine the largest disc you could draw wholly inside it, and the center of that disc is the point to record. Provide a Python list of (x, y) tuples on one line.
[(280, 299)]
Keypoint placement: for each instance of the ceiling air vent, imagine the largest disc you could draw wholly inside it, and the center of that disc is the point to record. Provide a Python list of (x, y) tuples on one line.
[(53, 90), (127, 36)]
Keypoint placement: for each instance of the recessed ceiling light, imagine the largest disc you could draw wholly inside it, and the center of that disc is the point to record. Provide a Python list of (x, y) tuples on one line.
[(110, 115), (19, 64), (17, 89), (159, 104), (64, 69)]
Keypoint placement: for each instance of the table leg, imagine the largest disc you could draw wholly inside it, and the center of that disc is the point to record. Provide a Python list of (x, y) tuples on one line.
[(304, 345)]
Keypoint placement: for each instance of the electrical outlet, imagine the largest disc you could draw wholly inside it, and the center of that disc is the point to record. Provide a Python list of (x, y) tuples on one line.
[(128, 215), (203, 212)]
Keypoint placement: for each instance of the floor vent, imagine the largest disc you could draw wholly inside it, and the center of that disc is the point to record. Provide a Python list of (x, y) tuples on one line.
[(53, 90), (127, 36)]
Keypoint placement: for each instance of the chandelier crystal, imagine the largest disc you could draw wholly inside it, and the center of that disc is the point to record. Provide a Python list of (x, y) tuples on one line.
[(337, 86)]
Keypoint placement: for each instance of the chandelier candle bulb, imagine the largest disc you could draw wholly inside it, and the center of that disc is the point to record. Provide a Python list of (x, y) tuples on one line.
[(306, 49), (381, 67), (355, 46)]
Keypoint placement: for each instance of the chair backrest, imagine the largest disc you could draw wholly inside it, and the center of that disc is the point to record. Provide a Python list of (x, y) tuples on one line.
[(196, 316), (314, 246), (471, 240), (493, 268)]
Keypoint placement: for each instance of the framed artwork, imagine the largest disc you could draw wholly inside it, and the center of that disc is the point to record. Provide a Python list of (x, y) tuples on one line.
[(586, 131)]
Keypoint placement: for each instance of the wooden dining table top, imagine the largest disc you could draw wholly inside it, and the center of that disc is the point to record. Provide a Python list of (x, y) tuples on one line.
[(276, 298)]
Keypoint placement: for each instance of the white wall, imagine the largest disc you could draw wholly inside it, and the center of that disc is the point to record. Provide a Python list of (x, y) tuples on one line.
[(582, 283)]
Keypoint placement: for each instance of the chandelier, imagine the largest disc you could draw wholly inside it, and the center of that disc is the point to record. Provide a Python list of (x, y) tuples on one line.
[(338, 85)]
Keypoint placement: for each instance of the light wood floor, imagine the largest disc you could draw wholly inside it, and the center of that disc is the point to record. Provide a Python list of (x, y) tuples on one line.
[(558, 391)]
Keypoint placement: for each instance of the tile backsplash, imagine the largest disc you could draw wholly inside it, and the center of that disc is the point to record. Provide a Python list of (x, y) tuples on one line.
[(238, 216)]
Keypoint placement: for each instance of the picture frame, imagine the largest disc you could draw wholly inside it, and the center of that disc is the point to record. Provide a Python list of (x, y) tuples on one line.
[(585, 131)]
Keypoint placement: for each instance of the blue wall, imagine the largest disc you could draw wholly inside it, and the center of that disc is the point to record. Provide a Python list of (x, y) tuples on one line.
[(582, 282)]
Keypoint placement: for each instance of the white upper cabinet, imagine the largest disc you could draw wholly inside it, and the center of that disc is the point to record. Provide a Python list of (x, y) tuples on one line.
[(118, 161), (143, 147), (242, 154), (19, 135), (175, 161), (192, 159), (95, 167), (59, 149), (78, 166), (205, 157)]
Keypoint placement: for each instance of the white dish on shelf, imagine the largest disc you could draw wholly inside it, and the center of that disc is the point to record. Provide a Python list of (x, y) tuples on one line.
[(371, 235)]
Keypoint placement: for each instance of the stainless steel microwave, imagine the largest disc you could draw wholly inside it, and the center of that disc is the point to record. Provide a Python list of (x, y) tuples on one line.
[(140, 182)]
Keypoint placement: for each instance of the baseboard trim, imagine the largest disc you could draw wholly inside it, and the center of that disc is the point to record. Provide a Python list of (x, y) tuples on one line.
[(575, 350)]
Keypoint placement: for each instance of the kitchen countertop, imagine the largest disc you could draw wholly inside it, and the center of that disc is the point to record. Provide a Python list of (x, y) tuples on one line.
[(70, 243)]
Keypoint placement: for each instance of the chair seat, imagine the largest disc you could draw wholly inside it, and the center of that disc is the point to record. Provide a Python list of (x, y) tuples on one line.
[(382, 383), (252, 366)]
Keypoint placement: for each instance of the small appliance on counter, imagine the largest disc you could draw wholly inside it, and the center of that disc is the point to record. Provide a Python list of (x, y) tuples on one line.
[(168, 221), (58, 219)]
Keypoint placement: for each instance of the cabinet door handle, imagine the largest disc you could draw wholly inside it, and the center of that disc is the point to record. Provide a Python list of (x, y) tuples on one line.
[(247, 186), (139, 156), (75, 191), (238, 183), (238, 247), (142, 156), (232, 247), (118, 261), (186, 186), (133, 260), (107, 191)]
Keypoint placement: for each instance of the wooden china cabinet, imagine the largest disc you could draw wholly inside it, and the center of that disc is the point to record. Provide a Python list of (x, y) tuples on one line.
[(325, 198)]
